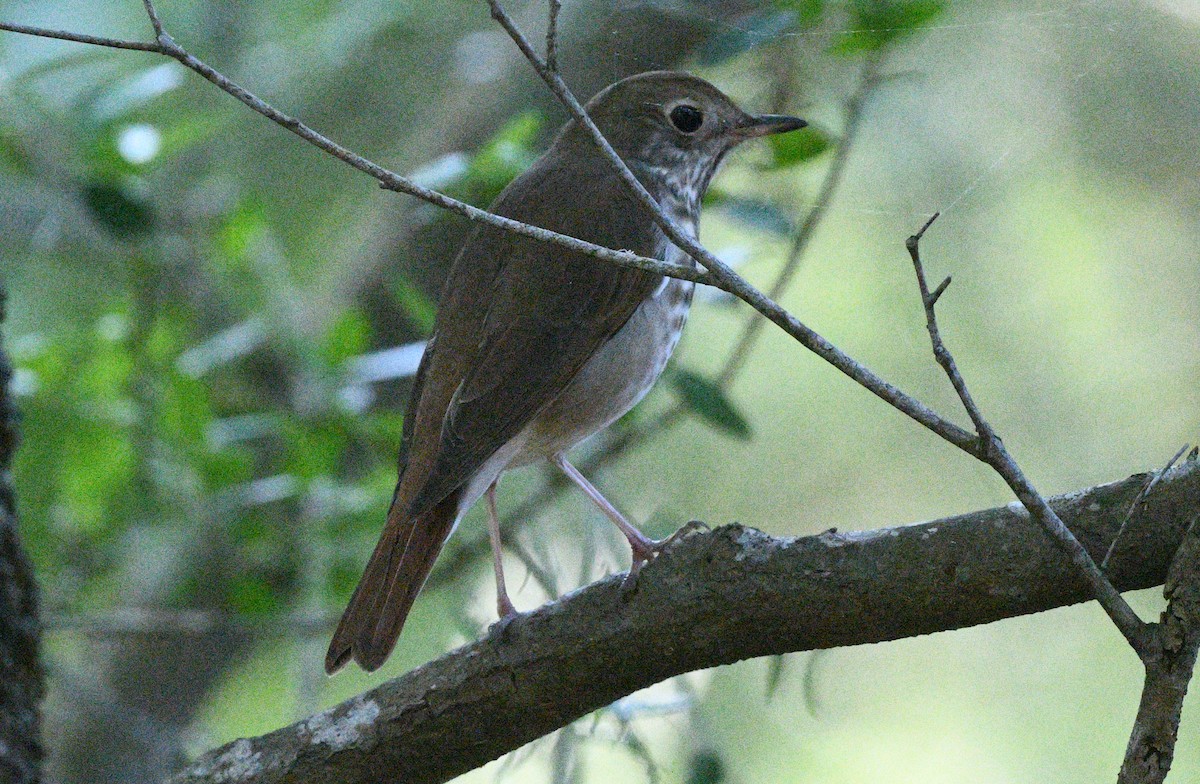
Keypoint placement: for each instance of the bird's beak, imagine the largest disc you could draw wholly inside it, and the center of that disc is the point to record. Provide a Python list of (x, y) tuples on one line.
[(766, 125)]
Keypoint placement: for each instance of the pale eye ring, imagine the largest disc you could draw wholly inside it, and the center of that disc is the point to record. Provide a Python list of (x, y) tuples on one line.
[(686, 118)]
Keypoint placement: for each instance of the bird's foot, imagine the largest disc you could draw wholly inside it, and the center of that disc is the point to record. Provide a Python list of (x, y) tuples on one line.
[(507, 614), (646, 550)]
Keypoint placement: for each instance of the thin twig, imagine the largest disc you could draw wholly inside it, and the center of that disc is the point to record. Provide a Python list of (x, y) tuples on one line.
[(387, 179), (155, 20), (724, 276), (80, 38), (833, 177), (552, 36), (995, 454), (1137, 503)]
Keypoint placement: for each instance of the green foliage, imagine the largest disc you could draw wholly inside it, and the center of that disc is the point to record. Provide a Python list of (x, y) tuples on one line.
[(706, 767), (809, 12), (416, 304), (708, 401), (118, 210), (878, 24), (347, 336), (791, 149), (509, 152)]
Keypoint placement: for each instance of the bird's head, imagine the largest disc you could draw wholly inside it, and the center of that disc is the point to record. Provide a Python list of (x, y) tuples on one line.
[(676, 124)]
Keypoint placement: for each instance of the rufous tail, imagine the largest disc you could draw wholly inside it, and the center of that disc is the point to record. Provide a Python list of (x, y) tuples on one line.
[(398, 568)]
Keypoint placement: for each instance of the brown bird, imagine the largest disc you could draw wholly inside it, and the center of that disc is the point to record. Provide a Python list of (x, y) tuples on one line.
[(535, 347)]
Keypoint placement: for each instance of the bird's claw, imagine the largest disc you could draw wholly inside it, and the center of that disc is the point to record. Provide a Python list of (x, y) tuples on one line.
[(508, 613), (649, 550)]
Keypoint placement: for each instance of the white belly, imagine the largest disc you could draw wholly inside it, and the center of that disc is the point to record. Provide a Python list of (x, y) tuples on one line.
[(617, 376)]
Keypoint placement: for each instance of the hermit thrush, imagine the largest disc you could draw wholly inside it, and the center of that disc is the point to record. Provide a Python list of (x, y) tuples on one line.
[(535, 348)]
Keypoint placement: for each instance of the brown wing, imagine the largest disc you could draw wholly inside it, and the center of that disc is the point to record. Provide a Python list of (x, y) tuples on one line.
[(519, 318)]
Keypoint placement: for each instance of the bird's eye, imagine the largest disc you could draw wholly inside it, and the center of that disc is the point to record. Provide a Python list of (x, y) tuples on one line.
[(687, 118)]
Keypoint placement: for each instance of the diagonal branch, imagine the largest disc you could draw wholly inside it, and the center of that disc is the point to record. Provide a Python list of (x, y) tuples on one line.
[(714, 598), (995, 454)]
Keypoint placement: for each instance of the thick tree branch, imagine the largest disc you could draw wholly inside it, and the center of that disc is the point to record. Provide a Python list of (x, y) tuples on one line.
[(1176, 639), (715, 598)]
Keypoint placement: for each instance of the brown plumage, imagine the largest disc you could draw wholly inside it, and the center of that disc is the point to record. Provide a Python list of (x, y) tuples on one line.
[(534, 347)]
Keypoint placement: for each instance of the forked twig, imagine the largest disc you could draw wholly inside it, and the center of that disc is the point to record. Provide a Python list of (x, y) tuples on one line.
[(994, 453)]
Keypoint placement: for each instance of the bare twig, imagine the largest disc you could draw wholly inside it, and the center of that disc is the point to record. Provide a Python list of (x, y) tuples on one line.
[(803, 236), (1169, 669), (95, 40), (1137, 502), (994, 453), (552, 35), (155, 21)]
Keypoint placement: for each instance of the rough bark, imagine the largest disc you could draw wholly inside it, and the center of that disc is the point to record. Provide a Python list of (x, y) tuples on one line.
[(716, 598), (1168, 671), (21, 679)]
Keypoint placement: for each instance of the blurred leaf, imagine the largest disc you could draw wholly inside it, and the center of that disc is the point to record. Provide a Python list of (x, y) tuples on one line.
[(314, 446), (348, 336), (118, 210), (880, 23), (789, 149), (508, 153), (251, 594), (706, 768), (12, 155), (131, 93), (705, 399), (184, 411), (758, 214), (750, 32), (182, 133), (775, 667), (808, 12), (245, 226), (417, 306)]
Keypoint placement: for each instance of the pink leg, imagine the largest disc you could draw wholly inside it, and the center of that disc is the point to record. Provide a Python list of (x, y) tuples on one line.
[(644, 548), (504, 605)]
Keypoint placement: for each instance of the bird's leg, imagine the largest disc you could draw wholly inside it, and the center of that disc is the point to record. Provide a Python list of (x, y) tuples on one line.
[(504, 605), (644, 548)]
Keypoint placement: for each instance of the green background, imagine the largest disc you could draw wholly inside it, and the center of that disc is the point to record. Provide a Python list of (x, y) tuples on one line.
[(173, 464)]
